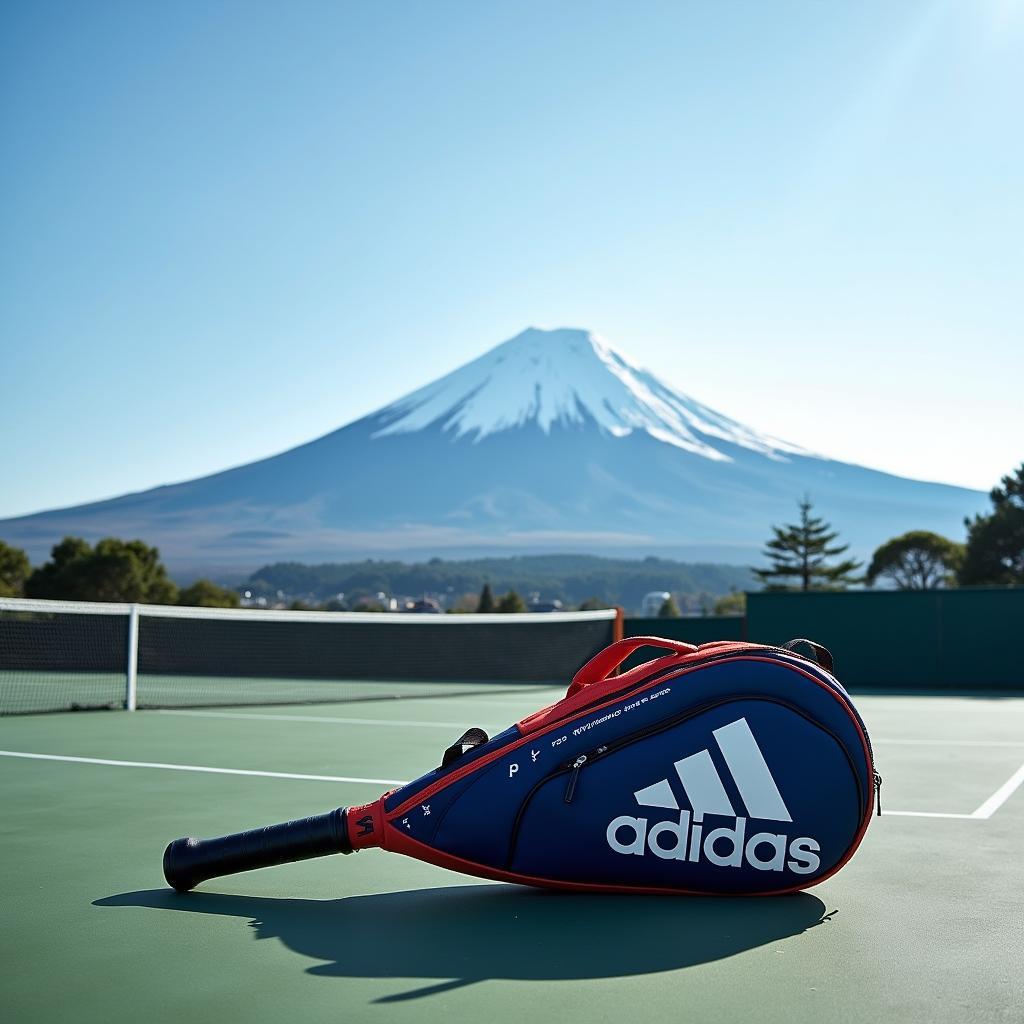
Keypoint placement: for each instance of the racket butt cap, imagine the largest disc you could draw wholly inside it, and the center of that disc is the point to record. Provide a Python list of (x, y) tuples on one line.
[(176, 872)]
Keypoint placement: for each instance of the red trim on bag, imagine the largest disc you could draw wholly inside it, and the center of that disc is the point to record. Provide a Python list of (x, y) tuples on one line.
[(569, 705)]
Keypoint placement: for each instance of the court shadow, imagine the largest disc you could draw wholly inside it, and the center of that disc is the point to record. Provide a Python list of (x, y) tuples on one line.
[(464, 934)]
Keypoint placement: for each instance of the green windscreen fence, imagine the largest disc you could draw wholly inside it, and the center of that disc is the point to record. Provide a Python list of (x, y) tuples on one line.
[(697, 630), (962, 638)]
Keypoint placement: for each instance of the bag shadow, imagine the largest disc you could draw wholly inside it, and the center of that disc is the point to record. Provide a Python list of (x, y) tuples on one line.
[(468, 933)]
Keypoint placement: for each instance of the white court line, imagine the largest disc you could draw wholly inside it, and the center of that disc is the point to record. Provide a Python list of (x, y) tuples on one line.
[(415, 723), (532, 700), (1001, 795), (198, 768), (953, 743), (316, 718), (925, 814), (933, 703), (985, 811), (536, 701)]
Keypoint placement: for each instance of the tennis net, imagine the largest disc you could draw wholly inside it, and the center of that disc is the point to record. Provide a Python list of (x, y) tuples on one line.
[(69, 655)]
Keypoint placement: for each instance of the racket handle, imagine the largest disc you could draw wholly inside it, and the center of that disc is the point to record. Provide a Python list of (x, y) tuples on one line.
[(187, 862)]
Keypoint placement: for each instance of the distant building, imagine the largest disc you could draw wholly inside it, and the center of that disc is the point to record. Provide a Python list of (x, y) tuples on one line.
[(652, 602), (545, 606), (425, 606)]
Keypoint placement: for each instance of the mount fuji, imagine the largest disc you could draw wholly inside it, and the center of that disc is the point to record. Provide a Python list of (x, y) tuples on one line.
[(552, 441)]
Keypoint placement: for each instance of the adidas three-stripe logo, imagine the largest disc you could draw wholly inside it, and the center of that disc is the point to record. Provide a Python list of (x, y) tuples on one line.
[(703, 784), (724, 847)]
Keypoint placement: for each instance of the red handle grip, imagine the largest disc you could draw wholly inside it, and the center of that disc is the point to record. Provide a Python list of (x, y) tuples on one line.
[(607, 661)]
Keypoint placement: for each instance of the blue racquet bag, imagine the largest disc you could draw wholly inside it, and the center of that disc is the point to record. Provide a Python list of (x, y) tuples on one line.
[(732, 768)]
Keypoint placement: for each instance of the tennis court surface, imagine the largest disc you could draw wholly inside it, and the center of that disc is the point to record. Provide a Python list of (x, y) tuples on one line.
[(925, 924)]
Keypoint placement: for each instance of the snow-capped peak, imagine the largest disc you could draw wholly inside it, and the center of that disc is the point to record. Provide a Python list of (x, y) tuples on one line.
[(565, 377)]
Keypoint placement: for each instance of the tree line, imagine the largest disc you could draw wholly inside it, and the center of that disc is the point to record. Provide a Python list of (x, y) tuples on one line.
[(571, 579), (112, 570), (805, 556)]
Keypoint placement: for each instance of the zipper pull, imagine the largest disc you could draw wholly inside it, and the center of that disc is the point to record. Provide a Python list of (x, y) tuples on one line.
[(878, 794), (570, 788)]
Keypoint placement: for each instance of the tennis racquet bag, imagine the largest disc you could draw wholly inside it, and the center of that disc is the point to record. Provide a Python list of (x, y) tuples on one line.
[(732, 768)]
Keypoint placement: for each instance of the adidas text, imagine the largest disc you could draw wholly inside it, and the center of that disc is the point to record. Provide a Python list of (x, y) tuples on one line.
[(726, 847)]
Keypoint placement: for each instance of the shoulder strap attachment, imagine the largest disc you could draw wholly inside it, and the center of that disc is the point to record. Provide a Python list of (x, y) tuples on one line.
[(821, 654)]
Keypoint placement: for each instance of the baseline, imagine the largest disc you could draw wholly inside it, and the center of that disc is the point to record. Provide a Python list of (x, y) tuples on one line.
[(197, 768), (984, 812), (256, 716)]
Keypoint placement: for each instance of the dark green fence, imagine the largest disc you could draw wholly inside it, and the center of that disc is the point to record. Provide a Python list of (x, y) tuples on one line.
[(694, 631), (964, 638), (959, 639)]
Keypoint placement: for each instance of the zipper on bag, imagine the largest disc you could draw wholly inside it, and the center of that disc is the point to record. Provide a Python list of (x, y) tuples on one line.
[(574, 768), (597, 753)]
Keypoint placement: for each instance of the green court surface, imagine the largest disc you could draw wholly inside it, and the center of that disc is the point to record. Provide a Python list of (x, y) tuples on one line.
[(925, 924)]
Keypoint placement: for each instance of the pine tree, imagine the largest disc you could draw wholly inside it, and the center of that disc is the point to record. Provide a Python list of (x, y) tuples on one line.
[(486, 602), (669, 609), (801, 551)]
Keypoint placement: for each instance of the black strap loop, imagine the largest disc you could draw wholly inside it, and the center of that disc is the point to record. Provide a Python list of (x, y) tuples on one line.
[(466, 742), (822, 655)]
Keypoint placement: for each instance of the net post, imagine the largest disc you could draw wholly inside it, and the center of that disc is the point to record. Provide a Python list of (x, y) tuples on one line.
[(619, 629), (132, 675)]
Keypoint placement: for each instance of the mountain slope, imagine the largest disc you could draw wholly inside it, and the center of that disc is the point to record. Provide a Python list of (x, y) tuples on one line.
[(567, 378), (550, 441)]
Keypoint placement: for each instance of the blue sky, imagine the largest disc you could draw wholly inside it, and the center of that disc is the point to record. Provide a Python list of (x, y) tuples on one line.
[(231, 227)]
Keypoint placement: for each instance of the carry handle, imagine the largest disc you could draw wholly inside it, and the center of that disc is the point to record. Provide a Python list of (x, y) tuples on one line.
[(601, 665), (822, 655)]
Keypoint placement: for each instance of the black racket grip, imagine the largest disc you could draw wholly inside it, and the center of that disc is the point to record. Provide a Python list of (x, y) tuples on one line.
[(187, 862)]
